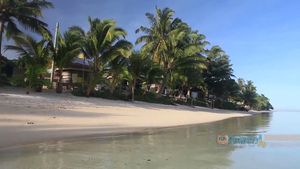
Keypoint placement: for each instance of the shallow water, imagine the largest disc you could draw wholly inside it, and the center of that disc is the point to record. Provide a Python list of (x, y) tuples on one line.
[(190, 147)]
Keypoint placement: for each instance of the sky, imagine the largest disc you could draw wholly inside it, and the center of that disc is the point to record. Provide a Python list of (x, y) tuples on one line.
[(262, 37)]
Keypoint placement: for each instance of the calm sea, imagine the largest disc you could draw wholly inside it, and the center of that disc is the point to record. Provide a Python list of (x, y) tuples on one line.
[(189, 147)]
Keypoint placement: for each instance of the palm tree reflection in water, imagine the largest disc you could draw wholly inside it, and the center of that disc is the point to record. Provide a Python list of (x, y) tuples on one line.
[(182, 147)]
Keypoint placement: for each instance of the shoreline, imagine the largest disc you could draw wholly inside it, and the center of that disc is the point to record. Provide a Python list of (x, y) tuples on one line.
[(119, 133), (46, 117)]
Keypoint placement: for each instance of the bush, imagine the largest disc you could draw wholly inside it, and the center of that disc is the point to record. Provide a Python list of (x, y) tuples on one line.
[(114, 96), (81, 91), (46, 82), (3, 80), (117, 95), (154, 98), (230, 106), (37, 85), (17, 81), (226, 105), (195, 102), (201, 103)]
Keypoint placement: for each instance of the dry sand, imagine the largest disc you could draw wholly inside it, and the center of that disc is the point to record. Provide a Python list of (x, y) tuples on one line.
[(49, 116)]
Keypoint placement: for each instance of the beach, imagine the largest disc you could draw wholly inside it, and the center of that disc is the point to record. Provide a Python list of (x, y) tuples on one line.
[(46, 116)]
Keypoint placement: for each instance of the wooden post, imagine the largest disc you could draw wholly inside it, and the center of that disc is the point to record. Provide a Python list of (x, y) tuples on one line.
[(55, 44)]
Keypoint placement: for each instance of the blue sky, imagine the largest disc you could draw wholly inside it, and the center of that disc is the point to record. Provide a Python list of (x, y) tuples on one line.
[(262, 37)]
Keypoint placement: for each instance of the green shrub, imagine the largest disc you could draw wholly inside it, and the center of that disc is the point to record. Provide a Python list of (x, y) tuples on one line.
[(139, 96), (107, 95), (81, 91), (226, 105), (201, 103), (230, 106), (154, 98), (17, 81), (46, 82), (194, 102)]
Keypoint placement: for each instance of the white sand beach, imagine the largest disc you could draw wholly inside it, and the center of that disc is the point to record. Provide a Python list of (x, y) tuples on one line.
[(48, 116)]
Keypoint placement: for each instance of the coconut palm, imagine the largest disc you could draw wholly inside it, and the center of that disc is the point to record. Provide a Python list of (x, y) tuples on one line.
[(115, 72), (156, 36), (139, 68), (262, 103), (21, 13), (35, 56), (68, 47), (248, 92), (171, 43), (102, 44), (219, 72)]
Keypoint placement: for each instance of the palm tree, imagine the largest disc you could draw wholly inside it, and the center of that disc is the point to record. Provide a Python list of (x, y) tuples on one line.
[(68, 47), (115, 72), (102, 44), (35, 55), (171, 43), (248, 92), (219, 72), (25, 13), (139, 67), (263, 103), (155, 38)]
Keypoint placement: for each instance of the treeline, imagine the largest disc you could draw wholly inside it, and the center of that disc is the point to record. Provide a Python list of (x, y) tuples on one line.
[(173, 65)]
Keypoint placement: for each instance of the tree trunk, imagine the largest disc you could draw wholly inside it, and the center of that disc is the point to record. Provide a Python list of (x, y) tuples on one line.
[(161, 90), (111, 90), (133, 89), (29, 85), (90, 84), (59, 87), (164, 84), (1, 35), (91, 78), (88, 91)]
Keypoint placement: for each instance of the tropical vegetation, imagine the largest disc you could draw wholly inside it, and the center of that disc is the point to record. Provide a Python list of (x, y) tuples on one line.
[(24, 13), (68, 47), (34, 56), (174, 65), (105, 46)]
